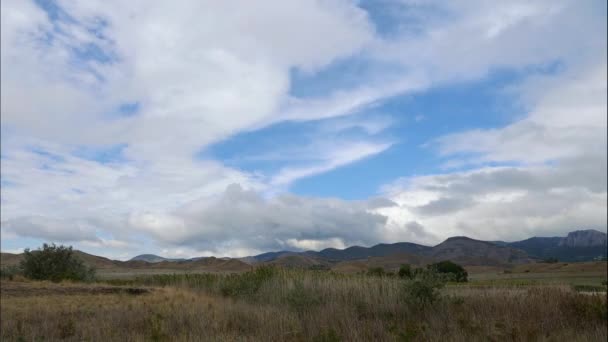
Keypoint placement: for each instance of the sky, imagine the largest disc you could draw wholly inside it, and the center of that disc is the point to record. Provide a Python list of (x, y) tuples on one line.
[(230, 128)]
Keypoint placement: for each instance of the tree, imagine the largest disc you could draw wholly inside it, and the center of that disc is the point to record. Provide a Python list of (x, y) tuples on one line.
[(405, 271), (450, 270), (55, 263)]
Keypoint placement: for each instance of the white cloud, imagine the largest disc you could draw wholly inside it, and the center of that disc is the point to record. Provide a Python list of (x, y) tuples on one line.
[(331, 155), (316, 245), (559, 185), (242, 219), (567, 121), (203, 71)]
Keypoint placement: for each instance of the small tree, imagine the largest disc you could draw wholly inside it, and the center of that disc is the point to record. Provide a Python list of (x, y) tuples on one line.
[(55, 263), (450, 270), (405, 271)]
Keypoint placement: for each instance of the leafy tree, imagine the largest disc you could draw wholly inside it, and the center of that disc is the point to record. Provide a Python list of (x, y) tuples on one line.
[(55, 263), (405, 271), (451, 271)]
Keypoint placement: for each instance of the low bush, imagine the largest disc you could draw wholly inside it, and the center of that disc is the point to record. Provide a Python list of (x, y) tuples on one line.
[(376, 272), (9, 272), (405, 271), (246, 284), (55, 263), (424, 289), (450, 271), (589, 288), (301, 299)]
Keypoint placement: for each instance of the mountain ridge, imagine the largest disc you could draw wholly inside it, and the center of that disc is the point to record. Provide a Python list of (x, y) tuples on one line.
[(580, 245)]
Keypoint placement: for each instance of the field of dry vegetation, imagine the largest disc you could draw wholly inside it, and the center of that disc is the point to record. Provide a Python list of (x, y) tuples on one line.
[(294, 305)]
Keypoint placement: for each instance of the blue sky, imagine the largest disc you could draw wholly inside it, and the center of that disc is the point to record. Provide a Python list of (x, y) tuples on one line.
[(188, 128), (415, 120)]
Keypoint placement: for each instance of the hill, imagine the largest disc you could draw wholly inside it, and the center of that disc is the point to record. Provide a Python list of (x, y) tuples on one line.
[(298, 261), (580, 245), (389, 263), (357, 252), (10, 259), (152, 258), (467, 251)]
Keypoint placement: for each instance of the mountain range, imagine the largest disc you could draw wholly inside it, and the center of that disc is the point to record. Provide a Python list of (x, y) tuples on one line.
[(580, 245)]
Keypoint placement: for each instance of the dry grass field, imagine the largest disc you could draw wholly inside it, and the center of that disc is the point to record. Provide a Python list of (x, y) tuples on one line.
[(296, 305)]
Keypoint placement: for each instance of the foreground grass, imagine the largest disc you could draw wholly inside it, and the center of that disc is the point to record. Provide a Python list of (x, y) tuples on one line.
[(287, 305)]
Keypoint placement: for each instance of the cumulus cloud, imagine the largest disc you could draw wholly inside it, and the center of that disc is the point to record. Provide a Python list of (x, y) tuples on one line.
[(558, 185), (240, 218), (195, 73), (51, 229)]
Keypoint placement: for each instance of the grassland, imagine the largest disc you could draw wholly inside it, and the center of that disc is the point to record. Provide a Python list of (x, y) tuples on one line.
[(297, 305)]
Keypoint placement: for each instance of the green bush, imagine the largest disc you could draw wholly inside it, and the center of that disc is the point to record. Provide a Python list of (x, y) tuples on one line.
[(423, 291), (450, 271), (319, 267), (9, 272), (301, 299), (376, 272), (246, 284), (405, 271), (589, 288), (55, 263)]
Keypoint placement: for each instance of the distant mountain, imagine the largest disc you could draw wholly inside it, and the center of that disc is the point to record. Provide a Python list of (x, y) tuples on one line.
[(299, 261), (584, 238), (467, 251), (357, 252), (580, 245), (584, 245), (153, 258), (458, 249), (390, 263), (536, 246), (269, 256)]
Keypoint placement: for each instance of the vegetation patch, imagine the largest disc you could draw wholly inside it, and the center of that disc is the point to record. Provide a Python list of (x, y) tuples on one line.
[(55, 263)]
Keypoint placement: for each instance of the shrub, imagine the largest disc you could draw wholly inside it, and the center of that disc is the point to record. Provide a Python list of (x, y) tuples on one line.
[(405, 271), (376, 272), (451, 271), (246, 284), (301, 299), (423, 291), (55, 263), (551, 260), (588, 288), (9, 272), (319, 267)]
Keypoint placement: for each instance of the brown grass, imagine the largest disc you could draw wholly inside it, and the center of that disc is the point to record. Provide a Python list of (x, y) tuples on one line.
[(301, 306)]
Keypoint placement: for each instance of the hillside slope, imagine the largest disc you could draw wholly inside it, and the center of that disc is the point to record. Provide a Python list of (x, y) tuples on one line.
[(467, 251)]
